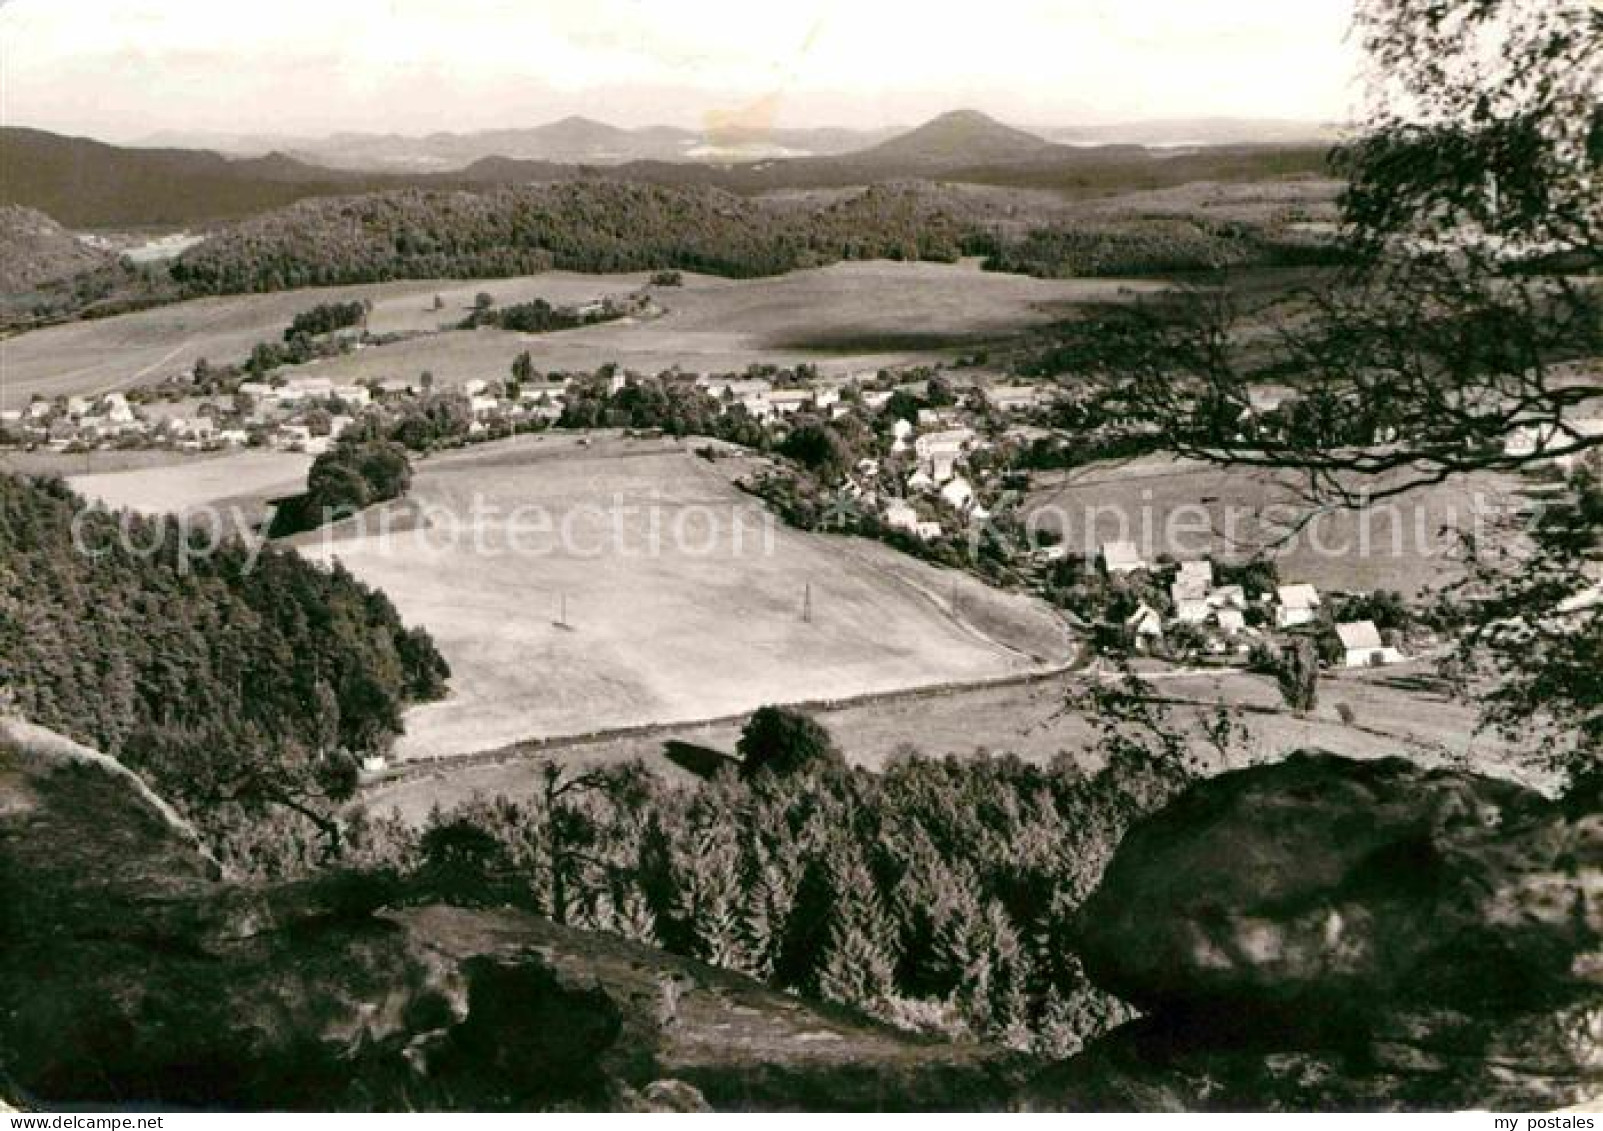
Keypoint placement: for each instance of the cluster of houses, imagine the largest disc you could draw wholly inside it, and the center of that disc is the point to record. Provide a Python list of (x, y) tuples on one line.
[(107, 421), (928, 466), (1219, 612)]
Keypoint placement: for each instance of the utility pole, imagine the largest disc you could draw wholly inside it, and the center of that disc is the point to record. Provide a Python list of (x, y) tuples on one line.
[(807, 604)]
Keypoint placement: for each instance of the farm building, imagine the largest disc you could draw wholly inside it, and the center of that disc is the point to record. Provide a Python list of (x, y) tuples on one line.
[(1014, 398), (1121, 557), (1361, 642), (1299, 604)]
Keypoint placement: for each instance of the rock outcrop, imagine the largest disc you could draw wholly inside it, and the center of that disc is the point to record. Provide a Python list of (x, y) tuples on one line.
[(1328, 933), (132, 972)]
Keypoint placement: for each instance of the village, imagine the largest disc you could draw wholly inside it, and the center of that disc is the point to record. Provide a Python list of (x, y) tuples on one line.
[(939, 463)]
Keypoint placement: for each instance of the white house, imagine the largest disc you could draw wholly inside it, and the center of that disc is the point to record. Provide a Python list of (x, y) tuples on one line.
[(900, 515), (115, 408), (1194, 578), (1299, 604), (1145, 623), (938, 452), (1228, 597), (483, 406), (1121, 557), (1192, 610), (929, 531), (303, 389), (958, 493), (1232, 622), (786, 401), (1537, 438), (1363, 646)]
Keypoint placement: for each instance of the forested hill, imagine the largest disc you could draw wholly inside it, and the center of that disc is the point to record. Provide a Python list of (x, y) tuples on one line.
[(591, 225), (236, 688)]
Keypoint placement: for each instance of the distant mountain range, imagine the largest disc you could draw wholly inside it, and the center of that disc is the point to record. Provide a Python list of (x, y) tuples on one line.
[(85, 183), (580, 140), (573, 140)]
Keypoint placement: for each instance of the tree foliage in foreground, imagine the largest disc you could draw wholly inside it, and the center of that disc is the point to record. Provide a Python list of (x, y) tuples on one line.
[(1473, 320)]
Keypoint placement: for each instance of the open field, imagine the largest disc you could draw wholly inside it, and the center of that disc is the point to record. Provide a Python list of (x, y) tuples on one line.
[(46, 461), (1027, 719), (847, 317), (1190, 509), (685, 599), (246, 479), (856, 315), (114, 353)]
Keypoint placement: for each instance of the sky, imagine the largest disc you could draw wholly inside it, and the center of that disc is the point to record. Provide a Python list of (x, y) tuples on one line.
[(124, 71)]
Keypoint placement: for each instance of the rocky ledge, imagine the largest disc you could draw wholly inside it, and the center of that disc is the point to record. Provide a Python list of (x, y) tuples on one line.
[(1324, 933), (133, 973)]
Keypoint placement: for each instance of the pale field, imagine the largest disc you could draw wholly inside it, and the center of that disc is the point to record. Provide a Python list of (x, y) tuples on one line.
[(243, 479), (146, 346), (1254, 201), (1191, 509), (1032, 721), (45, 461), (708, 623), (848, 317)]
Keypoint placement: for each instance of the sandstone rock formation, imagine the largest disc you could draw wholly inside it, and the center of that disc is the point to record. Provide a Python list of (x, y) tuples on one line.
[(1328, 933), (132, 973)]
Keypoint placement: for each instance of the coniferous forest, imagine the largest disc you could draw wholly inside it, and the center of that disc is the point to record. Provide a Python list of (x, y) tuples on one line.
[(240, 684)]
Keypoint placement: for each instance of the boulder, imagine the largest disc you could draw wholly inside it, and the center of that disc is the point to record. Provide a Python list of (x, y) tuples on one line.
[(1329, 932)]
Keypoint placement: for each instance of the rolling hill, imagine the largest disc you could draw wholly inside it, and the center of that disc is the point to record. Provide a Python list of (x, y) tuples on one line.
[(35, 250), (84, 183)]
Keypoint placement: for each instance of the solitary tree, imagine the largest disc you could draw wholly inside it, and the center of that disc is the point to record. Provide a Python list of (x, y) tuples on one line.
[(782, 741)]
